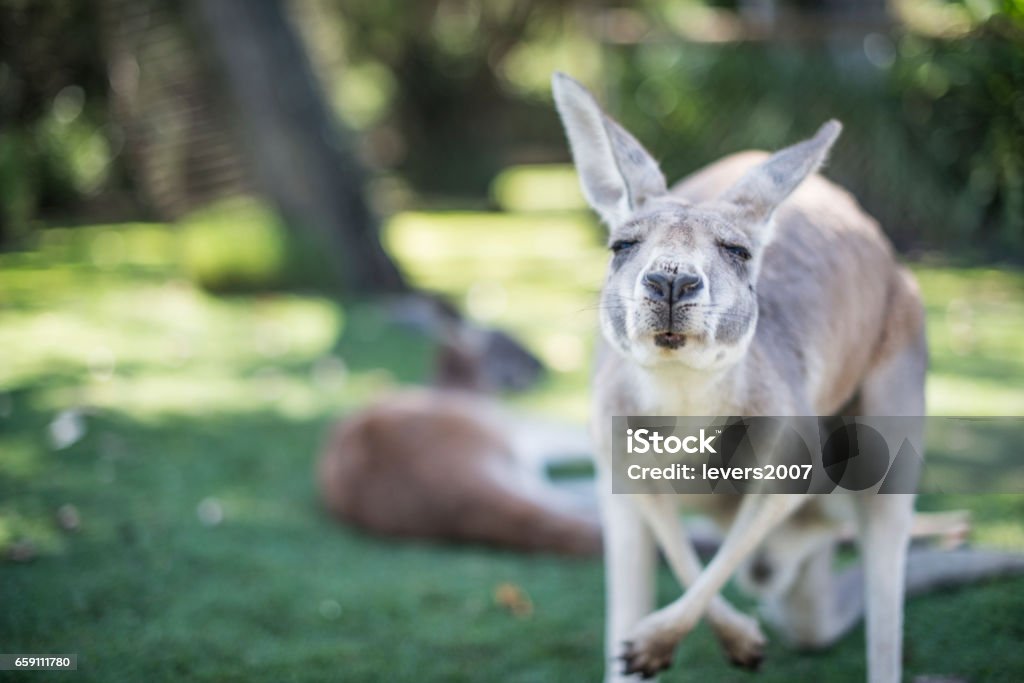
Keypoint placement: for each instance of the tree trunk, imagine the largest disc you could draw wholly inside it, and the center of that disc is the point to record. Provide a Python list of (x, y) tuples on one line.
[(304, 160)]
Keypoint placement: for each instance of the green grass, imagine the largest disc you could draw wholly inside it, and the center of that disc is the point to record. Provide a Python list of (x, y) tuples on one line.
[(193, 405)]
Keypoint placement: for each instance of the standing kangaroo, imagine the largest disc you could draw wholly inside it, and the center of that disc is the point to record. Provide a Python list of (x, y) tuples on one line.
[(754, 287)]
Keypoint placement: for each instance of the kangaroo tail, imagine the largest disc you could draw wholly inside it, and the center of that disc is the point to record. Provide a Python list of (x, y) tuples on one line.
[(933, 570)]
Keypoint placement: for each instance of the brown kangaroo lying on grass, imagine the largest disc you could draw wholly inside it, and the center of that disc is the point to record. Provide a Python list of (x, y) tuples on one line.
[(754, 287), (448, 463)]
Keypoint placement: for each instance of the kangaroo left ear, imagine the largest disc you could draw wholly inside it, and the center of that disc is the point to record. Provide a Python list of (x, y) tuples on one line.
[(617, 174), (757, 194)]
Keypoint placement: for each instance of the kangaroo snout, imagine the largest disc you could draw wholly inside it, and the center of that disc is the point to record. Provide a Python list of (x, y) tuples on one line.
[(672, 288)]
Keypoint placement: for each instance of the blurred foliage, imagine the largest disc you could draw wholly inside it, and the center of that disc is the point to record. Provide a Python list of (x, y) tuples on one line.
[(235, 246), (53, 163), (934, 141), (57, 141), (448, 93), (933, 144), (239, 245), (550, 187), (964, 103), (436, 80)]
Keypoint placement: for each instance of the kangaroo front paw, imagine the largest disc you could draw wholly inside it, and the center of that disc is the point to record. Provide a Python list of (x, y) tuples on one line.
[(743, 642), (745, 653), (646, 662), (650, 648)]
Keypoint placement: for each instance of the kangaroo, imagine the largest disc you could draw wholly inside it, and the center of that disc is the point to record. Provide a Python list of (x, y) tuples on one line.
[(448, 463), (753, 287)]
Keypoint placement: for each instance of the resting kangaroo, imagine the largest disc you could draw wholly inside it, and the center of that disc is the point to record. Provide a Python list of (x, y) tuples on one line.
[(449, 463), (754, 287)]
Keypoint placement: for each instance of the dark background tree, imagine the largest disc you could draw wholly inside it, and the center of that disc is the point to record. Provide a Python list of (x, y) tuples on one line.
[(304, 159), (452, 101)]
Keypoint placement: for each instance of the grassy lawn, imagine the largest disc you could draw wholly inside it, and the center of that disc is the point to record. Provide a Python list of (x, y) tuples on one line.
[(182, 428)]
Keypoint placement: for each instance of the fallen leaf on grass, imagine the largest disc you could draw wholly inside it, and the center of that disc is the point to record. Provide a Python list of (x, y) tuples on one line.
[(511, 597)]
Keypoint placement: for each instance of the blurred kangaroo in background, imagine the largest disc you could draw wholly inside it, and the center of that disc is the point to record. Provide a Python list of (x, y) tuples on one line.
[(448, 463), (754, 287)]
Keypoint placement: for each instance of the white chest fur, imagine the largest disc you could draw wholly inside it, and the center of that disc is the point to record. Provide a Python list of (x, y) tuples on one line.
[(686, 392)]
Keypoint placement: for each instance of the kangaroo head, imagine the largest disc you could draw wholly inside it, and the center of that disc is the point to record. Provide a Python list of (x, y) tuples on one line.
[(483, 360), (681, 284)]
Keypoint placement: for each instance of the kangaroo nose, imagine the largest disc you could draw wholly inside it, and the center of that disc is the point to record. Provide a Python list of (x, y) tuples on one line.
[(686, 286), (659, 286), (664, 287)]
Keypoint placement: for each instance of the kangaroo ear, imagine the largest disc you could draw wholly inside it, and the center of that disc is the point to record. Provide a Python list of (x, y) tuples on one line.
[(616, 172), (758, 193)]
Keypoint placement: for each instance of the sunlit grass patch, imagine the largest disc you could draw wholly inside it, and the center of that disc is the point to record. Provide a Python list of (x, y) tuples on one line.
[(975, 327), (111, 350), (107, 247), (550, 187)]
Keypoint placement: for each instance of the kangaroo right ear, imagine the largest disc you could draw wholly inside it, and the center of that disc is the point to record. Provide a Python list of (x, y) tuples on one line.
[(617, 174), (758, 193)]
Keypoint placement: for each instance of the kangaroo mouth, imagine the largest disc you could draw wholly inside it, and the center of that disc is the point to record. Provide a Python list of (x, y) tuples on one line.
[(669, 340)]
